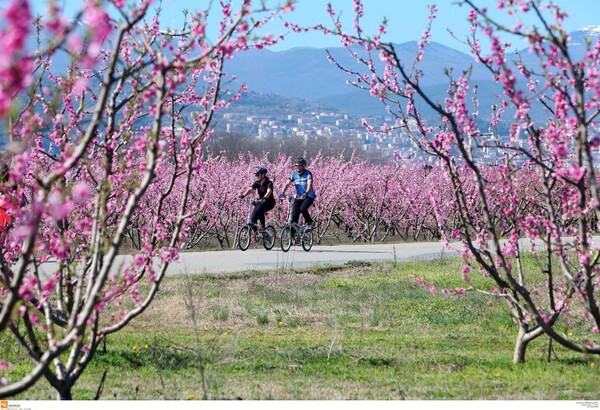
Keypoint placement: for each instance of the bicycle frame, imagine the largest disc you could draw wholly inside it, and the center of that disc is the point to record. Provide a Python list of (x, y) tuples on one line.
[(301, 232), (249, 230), (298, 228)]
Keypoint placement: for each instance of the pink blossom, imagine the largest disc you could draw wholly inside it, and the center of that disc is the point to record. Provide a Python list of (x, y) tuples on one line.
[(139, 259), (56, 23), (472, 16), (5, 365), (576, 172), (119, 3), (100, 27), (524, 6), (199, 29), (34, 318), (15, 68), (58, 209), (80, 85), (81, 192), (48, 286), (27, 290)]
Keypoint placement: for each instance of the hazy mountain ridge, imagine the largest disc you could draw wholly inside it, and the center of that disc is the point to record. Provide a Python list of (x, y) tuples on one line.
[(307, 74)]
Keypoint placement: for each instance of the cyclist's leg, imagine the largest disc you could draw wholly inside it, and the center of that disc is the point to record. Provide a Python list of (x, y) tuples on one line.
[(256, 214), (267, 206), (296, 213), (304, 209)]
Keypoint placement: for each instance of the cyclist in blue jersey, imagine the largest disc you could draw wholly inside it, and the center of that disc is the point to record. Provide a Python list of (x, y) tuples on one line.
[(305, 194)]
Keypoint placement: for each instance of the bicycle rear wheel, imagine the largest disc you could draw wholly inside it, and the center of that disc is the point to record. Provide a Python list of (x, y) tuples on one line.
[(285, 238), (307, 240), (269, 237), (244, 236)]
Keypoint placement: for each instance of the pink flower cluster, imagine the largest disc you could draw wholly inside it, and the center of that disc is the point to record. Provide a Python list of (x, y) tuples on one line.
[(15, 65)]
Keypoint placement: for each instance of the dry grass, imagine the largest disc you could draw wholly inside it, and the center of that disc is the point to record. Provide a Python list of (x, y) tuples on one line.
[(232, 295)]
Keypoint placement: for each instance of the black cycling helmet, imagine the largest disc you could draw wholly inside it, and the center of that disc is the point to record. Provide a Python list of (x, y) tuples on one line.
[(300, 161), (260, 170)]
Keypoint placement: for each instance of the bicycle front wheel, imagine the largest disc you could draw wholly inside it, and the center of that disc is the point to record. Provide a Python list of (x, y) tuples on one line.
[(269, 237), (244, 236), (285, 238), (307, 240)]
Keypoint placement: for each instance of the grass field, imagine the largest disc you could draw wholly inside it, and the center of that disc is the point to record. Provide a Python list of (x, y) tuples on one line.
[(361, 331)]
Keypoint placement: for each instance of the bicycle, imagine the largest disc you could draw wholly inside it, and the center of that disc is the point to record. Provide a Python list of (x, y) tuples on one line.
[(245, 233), (304, 234)]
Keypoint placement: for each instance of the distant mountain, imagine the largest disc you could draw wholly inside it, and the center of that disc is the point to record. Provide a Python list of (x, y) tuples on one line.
[(579, 37), (253, 103), (306, 73)]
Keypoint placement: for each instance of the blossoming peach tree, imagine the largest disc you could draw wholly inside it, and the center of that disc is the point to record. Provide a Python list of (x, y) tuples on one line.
[(555, 214), (103, 116), (357, 200)]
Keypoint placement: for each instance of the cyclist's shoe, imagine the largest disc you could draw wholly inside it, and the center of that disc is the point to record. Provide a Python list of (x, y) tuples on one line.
[(309, 227), (252, 240), (261, 229)]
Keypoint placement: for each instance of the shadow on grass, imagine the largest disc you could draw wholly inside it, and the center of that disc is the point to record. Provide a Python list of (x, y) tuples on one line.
[(158, 357)]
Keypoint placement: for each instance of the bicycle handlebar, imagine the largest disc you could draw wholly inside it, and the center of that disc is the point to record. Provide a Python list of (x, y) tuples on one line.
[(251, 200), (291, 196)]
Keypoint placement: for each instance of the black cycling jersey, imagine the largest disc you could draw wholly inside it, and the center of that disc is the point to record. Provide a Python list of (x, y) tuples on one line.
[(260, 208), (261, 189)]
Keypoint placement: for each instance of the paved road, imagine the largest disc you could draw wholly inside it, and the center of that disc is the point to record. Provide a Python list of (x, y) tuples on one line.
[(260, 259)]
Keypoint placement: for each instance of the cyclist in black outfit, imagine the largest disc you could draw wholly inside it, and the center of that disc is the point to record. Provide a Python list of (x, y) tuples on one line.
[(264, 187)]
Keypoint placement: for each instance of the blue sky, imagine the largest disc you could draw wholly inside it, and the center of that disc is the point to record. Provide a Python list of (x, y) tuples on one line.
[(407, 18)]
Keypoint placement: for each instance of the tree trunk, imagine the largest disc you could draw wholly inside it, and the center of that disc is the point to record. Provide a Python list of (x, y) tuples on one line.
[(65, 393), (520, 346)]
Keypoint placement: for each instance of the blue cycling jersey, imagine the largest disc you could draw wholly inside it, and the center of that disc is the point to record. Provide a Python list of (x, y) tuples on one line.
[(301, 183)]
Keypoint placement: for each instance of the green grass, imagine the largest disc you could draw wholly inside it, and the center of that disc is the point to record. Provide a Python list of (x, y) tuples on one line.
[(362, 331)]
